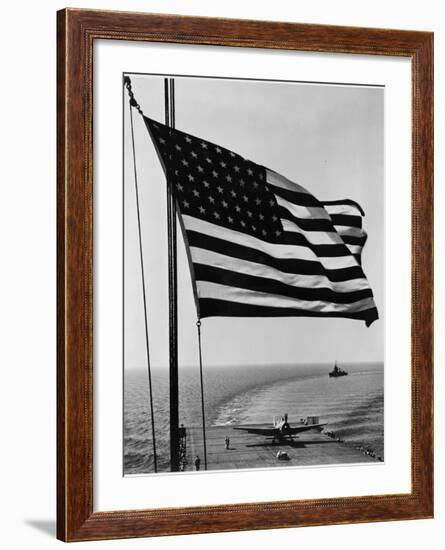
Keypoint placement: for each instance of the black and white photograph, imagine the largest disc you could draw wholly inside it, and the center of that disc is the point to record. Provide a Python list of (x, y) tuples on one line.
[(253, 269), (221, 236)]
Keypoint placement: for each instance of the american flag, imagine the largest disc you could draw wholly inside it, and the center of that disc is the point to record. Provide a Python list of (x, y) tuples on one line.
[(259, 244)]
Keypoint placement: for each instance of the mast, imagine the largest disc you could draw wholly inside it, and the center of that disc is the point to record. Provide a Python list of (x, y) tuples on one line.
[(169, 92)]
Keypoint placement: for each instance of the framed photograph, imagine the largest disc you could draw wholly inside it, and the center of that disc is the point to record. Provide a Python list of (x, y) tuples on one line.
[(245, 228)]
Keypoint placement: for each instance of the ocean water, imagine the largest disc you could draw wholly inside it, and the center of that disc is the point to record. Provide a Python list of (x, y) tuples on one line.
[(351, 406)]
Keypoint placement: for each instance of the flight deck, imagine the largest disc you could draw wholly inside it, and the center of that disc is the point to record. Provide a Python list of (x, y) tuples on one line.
[(248, 450)]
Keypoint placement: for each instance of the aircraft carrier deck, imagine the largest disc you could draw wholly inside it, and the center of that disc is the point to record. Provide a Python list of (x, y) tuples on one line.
[(246, 450)]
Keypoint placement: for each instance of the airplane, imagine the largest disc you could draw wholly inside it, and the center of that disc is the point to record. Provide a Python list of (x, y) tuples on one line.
[(280, 430)]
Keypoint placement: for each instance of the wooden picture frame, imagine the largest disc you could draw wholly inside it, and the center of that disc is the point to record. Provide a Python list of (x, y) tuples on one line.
[(77, 31)]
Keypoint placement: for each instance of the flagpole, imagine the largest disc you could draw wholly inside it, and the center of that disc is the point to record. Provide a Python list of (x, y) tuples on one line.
[(169, 92)]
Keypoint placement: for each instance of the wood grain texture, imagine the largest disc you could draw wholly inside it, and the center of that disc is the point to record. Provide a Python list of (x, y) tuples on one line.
[(77, 30)]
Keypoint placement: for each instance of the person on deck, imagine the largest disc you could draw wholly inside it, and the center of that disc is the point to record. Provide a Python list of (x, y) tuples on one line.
[(197, 463)]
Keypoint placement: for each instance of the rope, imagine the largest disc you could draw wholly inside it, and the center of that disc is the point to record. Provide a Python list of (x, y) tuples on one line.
[(133, 103), (198, 324)]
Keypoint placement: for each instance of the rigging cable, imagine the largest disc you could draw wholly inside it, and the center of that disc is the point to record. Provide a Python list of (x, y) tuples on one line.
[(198, 324), (133, 103)]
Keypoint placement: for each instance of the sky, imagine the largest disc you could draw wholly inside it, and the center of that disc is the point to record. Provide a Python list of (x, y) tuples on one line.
[(327, 138)]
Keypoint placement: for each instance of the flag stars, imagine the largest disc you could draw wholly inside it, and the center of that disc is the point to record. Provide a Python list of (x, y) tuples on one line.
[(219, 186)]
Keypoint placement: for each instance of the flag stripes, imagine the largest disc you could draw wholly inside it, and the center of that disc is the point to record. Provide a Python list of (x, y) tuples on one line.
[(208, 289), (288, 259), (209, 257), (346, 220), (271, 285), (214, 307), (335, 220)]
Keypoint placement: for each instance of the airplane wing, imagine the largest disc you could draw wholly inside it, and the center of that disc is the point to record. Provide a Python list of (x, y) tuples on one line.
[(257, 430), (274, 432), (304, 428)]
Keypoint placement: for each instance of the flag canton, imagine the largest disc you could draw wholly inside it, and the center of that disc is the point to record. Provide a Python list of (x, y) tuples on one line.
[(217, 185)]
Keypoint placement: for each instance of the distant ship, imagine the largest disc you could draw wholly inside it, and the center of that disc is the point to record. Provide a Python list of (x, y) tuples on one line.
[(336, 372)]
